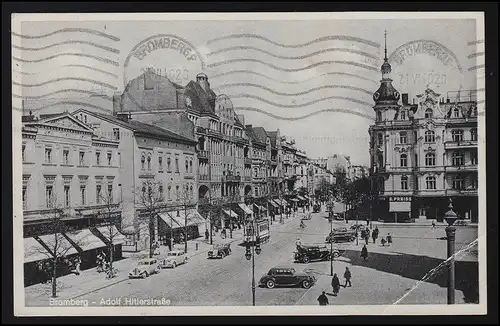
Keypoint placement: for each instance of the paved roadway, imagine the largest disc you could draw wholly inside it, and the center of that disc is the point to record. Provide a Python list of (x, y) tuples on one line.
[(222, 282)]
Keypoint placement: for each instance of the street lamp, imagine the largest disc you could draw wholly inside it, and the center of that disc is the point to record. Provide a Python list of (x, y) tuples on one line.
[(331, 245), (250, 254), (450, 216)]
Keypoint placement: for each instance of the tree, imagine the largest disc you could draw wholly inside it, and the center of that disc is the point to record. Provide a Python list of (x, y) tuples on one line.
[(150, 197), (322, 189), (186, 199), (213, 208)]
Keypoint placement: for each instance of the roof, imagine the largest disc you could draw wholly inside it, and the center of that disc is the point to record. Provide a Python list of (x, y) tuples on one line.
[(257, 134), (273, 135), (238, 122), (140, 128), (200, 100)]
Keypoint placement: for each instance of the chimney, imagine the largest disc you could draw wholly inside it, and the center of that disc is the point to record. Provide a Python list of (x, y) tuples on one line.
[(202, 80), (241, 117), (405, 98)]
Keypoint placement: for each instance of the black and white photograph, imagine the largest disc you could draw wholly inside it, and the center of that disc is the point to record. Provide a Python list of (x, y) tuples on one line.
[(249, 163)]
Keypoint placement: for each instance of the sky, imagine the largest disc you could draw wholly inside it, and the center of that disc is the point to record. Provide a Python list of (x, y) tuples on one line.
[(311, 79)]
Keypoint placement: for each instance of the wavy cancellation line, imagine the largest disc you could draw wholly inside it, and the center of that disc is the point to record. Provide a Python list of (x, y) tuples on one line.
[(66, 90), (107, 48), (299, 93), (69, 30), (300, 105), (70, 66), (106, 60), (292, 82), (76, 103), (320, 63), (88, 80), (254, 48), (305, 116), (321, 39)]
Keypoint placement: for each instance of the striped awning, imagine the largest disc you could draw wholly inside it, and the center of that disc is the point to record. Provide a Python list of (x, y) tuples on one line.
[(260, 208), (294, 199), (301, 198), (230, 213), (279, 203), (273, 203), (245, 208)]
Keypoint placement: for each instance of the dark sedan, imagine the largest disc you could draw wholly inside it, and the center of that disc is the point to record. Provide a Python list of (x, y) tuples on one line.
[(286, 276)]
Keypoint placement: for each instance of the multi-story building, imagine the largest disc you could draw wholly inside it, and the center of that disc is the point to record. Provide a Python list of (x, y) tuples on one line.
[(337, 161), (261, 157), (422, 154), (154, 157), (70, 179), (357, 172), (290, 163)]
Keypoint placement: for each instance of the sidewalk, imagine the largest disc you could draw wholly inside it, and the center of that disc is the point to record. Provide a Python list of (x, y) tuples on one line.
[(73, 286)]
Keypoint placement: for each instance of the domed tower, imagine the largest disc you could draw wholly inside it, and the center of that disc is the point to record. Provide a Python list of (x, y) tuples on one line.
[(386, 97)]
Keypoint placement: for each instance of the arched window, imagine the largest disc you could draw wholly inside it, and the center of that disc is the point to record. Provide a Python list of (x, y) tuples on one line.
[(473, 134), (143, 161), (430, 159), (190, 166), (149, 162), (430, 136), (458, 182), (404, 160), (428, 113), (404, 182), (379, 116), (456, 113), (380, 139), (457, 159), (187, 166), (430, 182), (403, 137), (457, 135)]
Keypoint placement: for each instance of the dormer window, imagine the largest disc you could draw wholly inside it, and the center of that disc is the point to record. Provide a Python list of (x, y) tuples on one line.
[(403, 115), (456, 113), (428, 114)]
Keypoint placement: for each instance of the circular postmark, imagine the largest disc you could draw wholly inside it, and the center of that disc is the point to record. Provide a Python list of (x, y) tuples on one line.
[(424, 62), (165, 56)]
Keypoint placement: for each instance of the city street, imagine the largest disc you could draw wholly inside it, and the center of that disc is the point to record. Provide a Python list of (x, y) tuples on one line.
[(387, 275)]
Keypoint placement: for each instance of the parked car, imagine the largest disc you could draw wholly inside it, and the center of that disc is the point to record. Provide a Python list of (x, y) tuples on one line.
[(173, 259), (360, 227), (316, 208), (144, 268), (306, 254), (286, 276), (340, 236), (220, 251)]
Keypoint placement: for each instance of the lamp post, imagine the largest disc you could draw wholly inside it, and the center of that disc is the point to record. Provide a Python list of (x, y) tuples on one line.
[(450, 216), (250, 254), (331, 245)]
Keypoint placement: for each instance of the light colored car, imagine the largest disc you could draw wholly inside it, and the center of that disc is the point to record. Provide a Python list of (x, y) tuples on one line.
[(144, 268), (174, 258)]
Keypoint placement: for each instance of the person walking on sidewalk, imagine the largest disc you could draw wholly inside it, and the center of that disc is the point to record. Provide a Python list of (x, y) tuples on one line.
[(374, 235), (347, 276), (206, 235), (364, 252), (433, 224), (335, 284), (367, 236), (323, 300)]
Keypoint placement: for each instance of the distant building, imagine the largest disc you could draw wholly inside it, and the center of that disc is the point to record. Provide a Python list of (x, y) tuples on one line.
[(358, 172), (338, 161)]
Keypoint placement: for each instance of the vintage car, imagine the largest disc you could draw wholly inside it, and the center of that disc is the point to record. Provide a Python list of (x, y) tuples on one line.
[(286, 276), (220, 251), (341, 235), (144, 268), (316, 208), (174, 258), (309, 253), (360, 227)]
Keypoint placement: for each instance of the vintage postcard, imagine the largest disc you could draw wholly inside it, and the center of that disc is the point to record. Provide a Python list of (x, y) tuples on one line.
[(249, 164)]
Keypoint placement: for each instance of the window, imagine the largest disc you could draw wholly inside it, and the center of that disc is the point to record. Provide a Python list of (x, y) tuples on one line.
[(177, 194), (82, 194), (48, 196), (110, 156), (430, 159), (48, 155), (430, 136), (430, 182), (169, 167), (168, 192), (116, 133), (23, 153), (473, 158), (149, 163), (458, 182), (98, 194), (160, 190), (65, 156), (403, 115), (143, 161), (473, 134), (403, 137), (25, 197), (456, 113), (187, 166), (404, 182), (85, 119), (177, 165), (256, 172), (404, 160), (110, 193), (97, 158), (191, 166), (66, 196), (428, 114), (82, 158), (457, 135), (160, 163), (457, 159), (379, 116), (380, 139), (191, 191)]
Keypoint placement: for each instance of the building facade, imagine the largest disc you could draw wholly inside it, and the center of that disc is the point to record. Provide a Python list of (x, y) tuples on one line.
[(422, 154)]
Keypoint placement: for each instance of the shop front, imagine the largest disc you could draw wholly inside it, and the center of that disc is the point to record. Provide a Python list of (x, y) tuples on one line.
[(174, 225)]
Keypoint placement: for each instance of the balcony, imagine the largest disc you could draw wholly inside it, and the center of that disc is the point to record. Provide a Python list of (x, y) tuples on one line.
[(461, 168), (432, 168), (461, 192), (230, 178), (247, 178), (201, 130), (248, 161), (146, 174), (430, 192), (202, 154), (460, 144), (204, 177)]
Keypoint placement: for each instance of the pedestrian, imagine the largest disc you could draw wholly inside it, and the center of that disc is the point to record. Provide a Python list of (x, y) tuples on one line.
[(223, 234), (367, 222), (298, 243), (335, 284), (364, 252), (367, 236), (206, 235), (77, 262), (323, 300), (433, 224), (389, 239), (383, 241), (347, 276), (374, 236)]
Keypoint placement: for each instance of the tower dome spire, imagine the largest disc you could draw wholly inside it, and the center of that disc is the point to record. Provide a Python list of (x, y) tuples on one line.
[(385, 38), (386, 93)]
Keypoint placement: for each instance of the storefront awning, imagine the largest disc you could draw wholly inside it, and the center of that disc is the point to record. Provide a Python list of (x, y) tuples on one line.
[(294, 199), (177, 219), (279, 202), (285, 203), (85, 239), (301, 198), (307, 197), (112, 232), (273, 204), (63, 248), (34, 251), (245, 208), (230, 213), (260, 208)]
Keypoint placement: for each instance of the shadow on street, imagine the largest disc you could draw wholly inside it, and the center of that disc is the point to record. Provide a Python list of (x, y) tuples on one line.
[(415, 267)]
